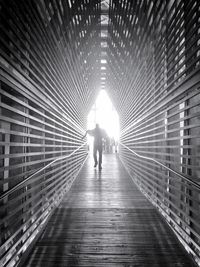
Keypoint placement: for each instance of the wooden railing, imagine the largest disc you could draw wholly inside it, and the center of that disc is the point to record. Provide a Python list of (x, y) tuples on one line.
[(176, 196), (164, 166), (12, 190), (30, 203)]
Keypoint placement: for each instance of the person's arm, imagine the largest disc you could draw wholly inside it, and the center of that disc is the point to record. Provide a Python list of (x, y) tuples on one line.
[(84, 135), (91, 132)]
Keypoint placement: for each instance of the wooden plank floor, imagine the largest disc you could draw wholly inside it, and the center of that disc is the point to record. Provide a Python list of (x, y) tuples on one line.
[(105, 221)]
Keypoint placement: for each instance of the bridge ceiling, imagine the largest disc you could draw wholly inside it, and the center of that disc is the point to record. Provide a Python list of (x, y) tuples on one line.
[(70, 49), (55, 46), (73, 48)]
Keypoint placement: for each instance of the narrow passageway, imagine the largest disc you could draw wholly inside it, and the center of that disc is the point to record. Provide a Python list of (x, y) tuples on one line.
[(56, 58), (105, 220)]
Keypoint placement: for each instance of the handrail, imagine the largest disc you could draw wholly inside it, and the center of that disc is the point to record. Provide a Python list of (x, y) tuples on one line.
[(161, 164), (8, 192)]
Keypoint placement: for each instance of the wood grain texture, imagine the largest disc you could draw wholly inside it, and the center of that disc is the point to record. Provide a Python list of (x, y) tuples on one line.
[(106, 221)]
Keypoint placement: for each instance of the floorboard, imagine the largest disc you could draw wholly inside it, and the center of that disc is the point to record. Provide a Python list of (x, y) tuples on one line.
[(106, 221)]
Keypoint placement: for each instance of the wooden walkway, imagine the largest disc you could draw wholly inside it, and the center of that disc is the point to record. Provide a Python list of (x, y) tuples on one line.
[(105, 221)]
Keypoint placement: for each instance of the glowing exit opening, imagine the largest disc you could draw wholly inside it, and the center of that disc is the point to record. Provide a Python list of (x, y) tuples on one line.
[(104, 113)]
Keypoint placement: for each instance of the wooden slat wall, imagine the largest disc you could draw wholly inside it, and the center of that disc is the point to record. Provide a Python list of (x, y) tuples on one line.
[(154, 70), (49, 75)]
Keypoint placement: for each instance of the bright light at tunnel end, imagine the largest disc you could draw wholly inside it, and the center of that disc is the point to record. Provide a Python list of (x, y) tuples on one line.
[(104, 113)]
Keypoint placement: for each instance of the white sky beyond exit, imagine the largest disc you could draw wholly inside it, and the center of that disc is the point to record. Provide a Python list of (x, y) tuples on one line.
[(104, 113)]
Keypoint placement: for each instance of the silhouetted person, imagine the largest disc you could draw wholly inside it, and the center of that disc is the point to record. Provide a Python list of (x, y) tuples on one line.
[(98, 134)]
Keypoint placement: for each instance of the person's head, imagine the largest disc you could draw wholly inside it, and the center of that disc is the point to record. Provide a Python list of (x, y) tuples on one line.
[(97, 125)]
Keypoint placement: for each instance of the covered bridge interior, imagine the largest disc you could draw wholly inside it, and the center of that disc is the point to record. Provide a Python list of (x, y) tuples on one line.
[(55, 56)]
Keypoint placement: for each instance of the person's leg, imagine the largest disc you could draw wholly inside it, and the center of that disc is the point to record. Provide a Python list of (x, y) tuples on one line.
[(100, 157), (95, 156)]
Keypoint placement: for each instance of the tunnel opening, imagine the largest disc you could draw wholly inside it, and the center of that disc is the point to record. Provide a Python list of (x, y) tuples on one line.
[(103, 112)]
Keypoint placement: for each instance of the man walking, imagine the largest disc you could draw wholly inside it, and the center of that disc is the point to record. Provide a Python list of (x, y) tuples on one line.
[(98, 135)]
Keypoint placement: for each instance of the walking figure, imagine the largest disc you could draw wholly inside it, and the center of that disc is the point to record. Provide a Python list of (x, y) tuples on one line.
[(98, 134)]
